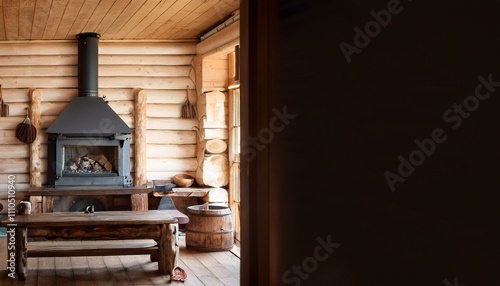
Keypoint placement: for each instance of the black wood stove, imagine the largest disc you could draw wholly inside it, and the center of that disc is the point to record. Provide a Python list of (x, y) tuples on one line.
[(89, 144)]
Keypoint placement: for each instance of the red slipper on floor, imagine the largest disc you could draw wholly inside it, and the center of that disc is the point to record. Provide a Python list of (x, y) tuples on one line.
[(178, 274)]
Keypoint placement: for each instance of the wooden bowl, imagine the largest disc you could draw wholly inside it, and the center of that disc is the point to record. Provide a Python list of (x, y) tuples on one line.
[(183, 180)]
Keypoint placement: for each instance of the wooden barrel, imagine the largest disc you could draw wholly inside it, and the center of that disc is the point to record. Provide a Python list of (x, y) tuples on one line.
[(209, 229)]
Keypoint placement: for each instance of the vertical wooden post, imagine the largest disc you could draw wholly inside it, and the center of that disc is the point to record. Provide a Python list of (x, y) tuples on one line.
[(140, 177), (140, 201), (48, 204), (35, 115), (168, 248), (36, 204), (198, 65), (22, 252), (234, 138)]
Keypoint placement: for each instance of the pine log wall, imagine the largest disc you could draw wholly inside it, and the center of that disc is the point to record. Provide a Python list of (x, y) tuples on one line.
[(162, 72), (215, 78)]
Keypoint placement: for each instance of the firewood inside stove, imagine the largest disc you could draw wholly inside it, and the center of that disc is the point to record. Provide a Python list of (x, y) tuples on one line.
[(88, 163)]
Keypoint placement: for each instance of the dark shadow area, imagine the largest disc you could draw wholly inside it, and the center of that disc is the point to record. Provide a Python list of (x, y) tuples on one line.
[(392, 155)]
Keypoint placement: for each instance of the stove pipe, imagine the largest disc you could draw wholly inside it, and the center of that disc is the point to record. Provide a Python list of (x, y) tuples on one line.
[(88, 55)]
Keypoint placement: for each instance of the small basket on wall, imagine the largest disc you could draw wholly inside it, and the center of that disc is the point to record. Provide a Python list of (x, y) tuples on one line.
[(25, 131)]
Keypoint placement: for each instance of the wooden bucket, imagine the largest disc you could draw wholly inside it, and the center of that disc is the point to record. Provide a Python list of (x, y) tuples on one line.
[(209, 229)]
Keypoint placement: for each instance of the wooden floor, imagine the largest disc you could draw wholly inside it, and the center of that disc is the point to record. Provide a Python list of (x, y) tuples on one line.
[(202, 268)]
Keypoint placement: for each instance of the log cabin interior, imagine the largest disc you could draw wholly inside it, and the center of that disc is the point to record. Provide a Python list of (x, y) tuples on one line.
[(124, 97), (354, 96)]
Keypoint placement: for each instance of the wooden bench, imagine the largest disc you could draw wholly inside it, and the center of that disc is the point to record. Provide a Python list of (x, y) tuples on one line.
[(159, 225)]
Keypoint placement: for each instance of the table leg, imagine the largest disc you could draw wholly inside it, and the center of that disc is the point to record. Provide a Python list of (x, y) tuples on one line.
[(22, 252), (168, 248), (35, 204), (48, 204), (139, 202), (154, 257)]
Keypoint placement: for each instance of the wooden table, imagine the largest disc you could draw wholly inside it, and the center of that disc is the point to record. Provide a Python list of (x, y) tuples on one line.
[(138, 195), (160, 225)]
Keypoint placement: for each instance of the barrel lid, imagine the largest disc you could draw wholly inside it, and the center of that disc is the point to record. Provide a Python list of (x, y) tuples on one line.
[(213, 210)]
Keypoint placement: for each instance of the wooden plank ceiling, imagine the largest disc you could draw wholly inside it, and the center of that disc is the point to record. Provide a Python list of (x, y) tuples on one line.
[(113, 19)]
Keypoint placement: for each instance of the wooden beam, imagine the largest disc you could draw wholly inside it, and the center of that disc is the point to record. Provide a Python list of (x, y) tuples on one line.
[(233, 154), (93, 248), (198, 71), (140, 138), (139, 202), (35, 115), (22, 252), (35, 158), (36, 204), (105, 232), (169, 249), (48, 204), (222, 42)]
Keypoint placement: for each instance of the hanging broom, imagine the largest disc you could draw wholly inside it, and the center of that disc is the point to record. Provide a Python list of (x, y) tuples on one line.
[(25, 131), (188, 109)]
